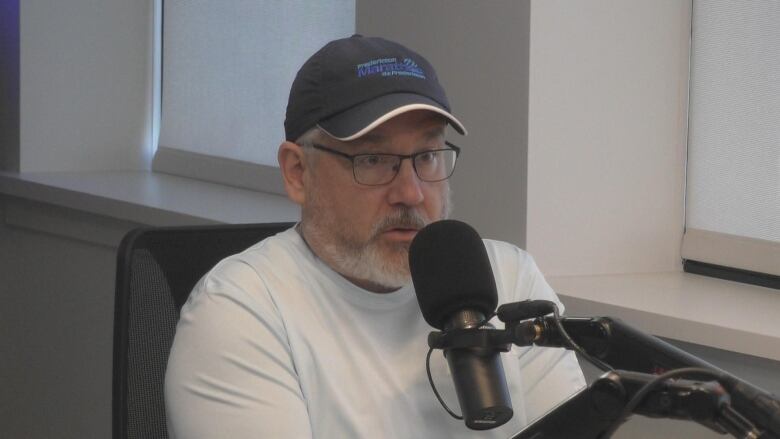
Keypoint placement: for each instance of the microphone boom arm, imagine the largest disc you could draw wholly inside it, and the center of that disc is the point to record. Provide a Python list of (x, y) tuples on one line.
[(625, 347), (620, 346)]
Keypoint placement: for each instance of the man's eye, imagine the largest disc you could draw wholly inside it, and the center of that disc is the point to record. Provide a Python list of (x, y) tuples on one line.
[(427, 157), (370, 160)]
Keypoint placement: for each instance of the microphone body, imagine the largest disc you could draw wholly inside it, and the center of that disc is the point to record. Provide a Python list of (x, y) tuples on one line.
[(478, 375), (455, 288)]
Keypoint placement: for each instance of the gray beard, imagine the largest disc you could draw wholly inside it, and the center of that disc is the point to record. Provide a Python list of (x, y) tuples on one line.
[(369, 262), (365, 260)]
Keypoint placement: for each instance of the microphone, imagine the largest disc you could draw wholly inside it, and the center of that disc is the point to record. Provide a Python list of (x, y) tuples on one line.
[(456, 290)]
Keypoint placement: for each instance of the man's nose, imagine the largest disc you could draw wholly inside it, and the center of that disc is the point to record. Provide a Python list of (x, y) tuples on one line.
[(406, 187)]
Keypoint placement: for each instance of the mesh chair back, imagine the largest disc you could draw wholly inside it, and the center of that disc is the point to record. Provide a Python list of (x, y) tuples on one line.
[(156, 270)]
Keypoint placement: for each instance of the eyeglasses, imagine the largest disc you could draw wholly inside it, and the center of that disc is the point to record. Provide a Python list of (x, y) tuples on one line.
[(378, 169)]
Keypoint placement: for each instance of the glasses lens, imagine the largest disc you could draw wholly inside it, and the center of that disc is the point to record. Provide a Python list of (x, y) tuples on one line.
[(435, 165), (375, 169)]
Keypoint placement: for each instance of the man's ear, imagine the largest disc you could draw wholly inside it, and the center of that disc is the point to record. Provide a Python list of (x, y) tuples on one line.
[(293, 166)]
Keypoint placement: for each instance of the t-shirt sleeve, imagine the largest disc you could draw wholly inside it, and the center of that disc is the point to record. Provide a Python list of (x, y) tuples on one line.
[(549, 376), (230, 371)]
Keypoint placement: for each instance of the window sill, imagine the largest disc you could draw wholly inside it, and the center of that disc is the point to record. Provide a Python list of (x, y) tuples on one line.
[(697, 309), (149, 198)]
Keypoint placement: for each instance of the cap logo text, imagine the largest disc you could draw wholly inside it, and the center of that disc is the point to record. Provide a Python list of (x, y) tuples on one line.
[(390, 67)]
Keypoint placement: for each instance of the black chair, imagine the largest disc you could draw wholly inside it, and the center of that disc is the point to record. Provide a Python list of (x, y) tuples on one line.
[(156, 270)]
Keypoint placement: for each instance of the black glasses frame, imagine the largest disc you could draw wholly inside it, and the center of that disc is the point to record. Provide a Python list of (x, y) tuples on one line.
[(412, 157)]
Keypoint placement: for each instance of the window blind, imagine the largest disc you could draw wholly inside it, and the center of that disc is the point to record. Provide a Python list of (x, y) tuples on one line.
[(733, 170), (227, 67)]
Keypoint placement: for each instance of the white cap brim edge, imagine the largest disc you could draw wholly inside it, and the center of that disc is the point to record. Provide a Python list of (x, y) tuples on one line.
[(391, 114)]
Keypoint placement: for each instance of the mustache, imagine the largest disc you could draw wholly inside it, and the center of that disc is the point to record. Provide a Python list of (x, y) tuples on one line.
[(403, 219)]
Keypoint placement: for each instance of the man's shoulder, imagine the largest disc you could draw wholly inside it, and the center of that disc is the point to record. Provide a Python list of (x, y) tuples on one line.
[(254, 274), (516, 272), (269, 255), (274, 249), (506, 251)]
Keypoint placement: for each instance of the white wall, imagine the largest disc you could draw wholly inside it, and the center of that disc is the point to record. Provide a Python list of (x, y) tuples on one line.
[(84, 105), (56, 328), (607, 135), (85, 85)]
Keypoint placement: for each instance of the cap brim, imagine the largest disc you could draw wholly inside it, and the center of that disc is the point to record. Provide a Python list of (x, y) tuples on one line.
[(359, 120)]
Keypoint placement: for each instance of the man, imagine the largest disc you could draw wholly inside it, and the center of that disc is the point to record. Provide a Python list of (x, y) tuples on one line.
[(316, 332)]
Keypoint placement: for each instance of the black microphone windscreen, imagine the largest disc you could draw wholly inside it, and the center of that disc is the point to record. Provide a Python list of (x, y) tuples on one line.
[(451, 272)]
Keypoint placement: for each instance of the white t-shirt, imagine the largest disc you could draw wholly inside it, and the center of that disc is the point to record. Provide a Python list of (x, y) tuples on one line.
[(272, 343)]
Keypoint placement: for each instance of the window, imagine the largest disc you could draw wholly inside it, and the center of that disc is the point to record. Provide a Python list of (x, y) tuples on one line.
[(733, 173), (227, 68)]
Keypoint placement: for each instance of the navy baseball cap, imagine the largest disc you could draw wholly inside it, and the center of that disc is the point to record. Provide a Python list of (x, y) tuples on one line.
[(352, 85)]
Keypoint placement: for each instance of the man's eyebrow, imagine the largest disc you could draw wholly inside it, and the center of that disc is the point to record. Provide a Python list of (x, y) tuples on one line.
[(435, 133), (369, 139)]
